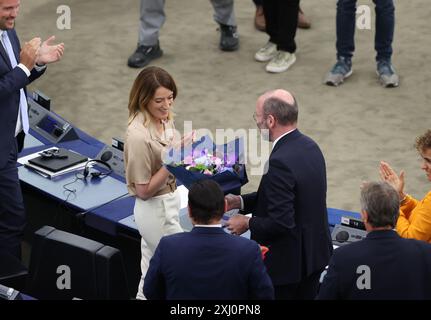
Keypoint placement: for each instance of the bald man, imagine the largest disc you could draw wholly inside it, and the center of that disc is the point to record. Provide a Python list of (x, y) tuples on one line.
[(289, 209)]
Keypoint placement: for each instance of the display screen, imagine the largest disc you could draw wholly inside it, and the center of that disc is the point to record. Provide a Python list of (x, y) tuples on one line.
[(48, 124)]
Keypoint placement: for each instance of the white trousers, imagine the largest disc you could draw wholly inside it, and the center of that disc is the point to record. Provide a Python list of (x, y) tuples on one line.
[(155, 218)]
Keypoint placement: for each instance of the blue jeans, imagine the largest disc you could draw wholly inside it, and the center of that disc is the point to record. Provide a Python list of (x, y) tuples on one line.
[(346, 24)]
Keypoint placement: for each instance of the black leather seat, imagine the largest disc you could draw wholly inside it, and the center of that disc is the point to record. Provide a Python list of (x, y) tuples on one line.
[(67, 266)]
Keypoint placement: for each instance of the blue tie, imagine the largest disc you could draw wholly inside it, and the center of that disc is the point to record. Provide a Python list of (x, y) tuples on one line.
[(23, 100)]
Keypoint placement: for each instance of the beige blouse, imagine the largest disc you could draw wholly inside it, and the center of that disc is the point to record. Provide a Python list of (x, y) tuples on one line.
[(143, 154)]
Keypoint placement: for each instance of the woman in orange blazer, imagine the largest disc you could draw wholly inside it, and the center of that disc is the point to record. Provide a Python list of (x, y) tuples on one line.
[(415, 215)]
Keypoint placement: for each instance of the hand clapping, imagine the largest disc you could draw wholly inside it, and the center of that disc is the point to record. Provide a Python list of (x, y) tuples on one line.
[(388, 175), (49, 53), (29, 52)]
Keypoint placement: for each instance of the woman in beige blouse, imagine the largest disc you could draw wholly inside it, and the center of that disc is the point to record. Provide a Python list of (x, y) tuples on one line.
[(150, 129)]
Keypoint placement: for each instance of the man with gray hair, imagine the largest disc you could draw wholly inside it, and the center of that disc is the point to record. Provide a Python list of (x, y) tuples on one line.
[(383, 265), (289, 208)]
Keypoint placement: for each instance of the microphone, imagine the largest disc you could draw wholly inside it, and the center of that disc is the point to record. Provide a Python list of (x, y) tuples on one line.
[(342, 236)]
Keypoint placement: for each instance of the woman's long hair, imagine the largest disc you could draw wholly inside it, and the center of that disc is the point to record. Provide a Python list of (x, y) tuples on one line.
[(144, 89)]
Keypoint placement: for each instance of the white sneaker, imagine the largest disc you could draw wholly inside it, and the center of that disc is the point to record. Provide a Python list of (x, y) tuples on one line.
[(266, 53), (281, 62)]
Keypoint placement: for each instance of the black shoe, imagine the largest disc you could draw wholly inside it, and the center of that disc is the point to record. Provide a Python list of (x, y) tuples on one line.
[(143, 56), (229, 40)]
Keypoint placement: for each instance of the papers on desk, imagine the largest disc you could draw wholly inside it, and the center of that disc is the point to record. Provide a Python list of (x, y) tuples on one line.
[(44, 172)]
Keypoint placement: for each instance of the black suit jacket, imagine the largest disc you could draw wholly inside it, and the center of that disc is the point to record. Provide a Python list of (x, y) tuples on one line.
[(207, 264), (11, 81), (399, 269), (289, 210)]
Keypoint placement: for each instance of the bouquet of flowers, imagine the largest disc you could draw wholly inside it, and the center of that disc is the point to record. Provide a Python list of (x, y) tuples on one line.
[(205, 160)]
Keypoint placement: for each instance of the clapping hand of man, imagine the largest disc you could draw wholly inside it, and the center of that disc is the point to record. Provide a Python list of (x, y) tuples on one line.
[(29, 52), (49, 53)]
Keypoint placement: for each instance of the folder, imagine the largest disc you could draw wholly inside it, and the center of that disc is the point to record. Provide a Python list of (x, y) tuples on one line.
[(56, 164)]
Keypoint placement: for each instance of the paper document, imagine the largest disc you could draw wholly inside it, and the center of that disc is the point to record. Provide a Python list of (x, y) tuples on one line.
[(47, 173)]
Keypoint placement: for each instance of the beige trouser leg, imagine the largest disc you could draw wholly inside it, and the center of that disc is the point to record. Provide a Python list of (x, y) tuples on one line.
[(155, 218)]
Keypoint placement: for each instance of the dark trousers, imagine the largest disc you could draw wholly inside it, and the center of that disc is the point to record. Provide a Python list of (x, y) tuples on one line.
[(12, 214), (281, 18), (20, 141), (307, 289), (258, 2), (346, 24)]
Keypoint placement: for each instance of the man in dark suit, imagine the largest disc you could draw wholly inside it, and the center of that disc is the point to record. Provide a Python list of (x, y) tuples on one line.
[(207, 263), (289, 208), (18, 68), (383, 265)]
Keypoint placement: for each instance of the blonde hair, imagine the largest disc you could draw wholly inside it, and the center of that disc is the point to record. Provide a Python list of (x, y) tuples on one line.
[(144, 88)]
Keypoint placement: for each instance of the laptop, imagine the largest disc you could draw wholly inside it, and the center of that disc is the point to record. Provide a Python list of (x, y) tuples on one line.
[(64, 159)]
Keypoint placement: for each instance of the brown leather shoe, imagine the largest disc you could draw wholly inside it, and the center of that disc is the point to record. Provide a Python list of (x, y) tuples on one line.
[(259, 19), (303, 22)]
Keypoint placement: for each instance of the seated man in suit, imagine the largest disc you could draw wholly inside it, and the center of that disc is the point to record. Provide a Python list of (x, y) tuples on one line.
[(207, 263), (383, 265)]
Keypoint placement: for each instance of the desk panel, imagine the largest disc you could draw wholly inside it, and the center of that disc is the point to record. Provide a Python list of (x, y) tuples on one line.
[(30, 142), (106, 218), (89, 192), (334, 215)]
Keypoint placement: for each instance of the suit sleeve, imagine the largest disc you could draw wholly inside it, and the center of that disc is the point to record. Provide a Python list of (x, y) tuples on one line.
[(249, 202), (12, 82), (34, 74), (260, 284), (409, 204), (154, 282), (280, 194), (329, 289)]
